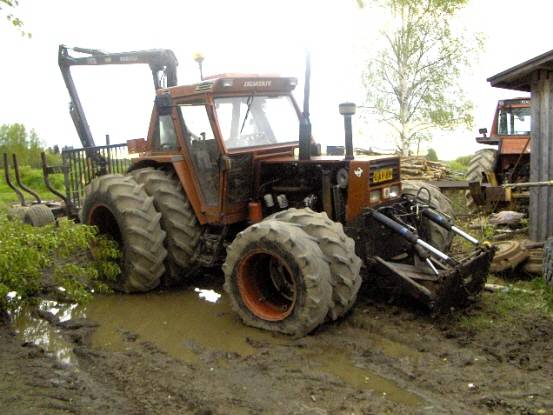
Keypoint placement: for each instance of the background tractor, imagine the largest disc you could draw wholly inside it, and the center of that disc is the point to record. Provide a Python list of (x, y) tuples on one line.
[(508, 164), (222, 179)]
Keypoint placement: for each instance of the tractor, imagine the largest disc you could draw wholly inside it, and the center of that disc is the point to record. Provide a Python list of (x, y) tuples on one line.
[(497, 175), (224, 178)]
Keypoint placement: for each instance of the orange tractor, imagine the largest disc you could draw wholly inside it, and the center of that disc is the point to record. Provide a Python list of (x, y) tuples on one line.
[(496, 174), (223, 179)]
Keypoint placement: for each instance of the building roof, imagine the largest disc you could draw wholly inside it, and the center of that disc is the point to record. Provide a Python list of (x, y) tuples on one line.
[(519, 77)]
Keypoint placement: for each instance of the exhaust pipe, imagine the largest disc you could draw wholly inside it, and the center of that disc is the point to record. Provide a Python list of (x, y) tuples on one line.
[(305, 123), (347, 109)]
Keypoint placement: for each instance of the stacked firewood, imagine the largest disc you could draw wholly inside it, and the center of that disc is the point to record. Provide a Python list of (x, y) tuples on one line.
[(422, 169)]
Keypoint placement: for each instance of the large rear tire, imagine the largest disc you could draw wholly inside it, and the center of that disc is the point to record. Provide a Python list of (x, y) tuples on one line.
[(177, 219), (339, 251), (548, 262), (120, 207), (482, 161), (438, 237), (277, 278)]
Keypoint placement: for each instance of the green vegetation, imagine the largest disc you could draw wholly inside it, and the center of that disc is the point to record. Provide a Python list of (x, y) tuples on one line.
[(15, 139), (431, 155), (460, 164), (6, 11), (412, 81), (504, 307), (35, 261)]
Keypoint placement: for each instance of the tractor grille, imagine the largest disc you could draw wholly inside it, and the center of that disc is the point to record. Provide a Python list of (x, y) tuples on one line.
[(377, 167)]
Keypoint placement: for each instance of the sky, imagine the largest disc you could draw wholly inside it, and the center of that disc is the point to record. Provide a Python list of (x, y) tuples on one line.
[(263, 36)]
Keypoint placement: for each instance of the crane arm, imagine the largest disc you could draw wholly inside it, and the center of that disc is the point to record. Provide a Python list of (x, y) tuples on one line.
[(162, 62)]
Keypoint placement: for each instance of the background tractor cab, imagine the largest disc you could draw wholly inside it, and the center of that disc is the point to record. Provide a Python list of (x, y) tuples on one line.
[(509, 163)]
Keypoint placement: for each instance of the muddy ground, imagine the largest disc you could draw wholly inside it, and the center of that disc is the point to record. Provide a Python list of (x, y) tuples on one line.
[(178, 353)]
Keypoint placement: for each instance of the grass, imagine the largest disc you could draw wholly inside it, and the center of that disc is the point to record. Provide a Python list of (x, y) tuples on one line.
[(33, 179), (504, 308)]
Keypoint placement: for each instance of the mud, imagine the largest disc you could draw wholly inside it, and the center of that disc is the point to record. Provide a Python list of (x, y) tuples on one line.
[(187, 352)]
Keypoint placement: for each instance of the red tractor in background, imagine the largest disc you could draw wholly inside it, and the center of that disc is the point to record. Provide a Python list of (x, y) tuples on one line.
[(490, 170)]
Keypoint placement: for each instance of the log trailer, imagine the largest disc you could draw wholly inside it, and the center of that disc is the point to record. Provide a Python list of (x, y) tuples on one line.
[(222, 179)]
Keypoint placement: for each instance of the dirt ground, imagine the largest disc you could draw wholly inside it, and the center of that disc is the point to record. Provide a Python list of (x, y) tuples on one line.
[(380, 359)]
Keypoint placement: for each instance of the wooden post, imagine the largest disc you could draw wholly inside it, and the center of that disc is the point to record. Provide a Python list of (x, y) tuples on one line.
[(541, 160)]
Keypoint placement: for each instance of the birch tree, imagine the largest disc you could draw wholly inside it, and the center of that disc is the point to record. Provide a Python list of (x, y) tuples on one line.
[(412, 84)]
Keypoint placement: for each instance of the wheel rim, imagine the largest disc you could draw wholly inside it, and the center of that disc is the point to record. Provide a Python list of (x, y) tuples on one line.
[(266, 285)]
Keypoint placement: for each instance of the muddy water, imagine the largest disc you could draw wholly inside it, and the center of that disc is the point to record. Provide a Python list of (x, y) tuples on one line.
[(177, 322), (188, 323), (42, 333)]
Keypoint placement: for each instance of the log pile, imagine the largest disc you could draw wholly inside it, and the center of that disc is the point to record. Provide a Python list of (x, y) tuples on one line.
[(421, 169)]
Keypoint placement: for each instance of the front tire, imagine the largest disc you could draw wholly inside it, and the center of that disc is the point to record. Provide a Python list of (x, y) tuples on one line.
[(119, 207), (482, 161), (337, 248), (277, 278)]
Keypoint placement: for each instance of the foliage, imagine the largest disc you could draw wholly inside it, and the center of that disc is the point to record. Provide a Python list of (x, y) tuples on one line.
[(413, 82), (27, 146), (431, 155), (460, 164), (502, 308), (36, 259), (6, 8)]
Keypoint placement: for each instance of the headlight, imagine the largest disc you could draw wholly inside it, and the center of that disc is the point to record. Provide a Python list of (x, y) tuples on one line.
[(375, 196), (395, 190)]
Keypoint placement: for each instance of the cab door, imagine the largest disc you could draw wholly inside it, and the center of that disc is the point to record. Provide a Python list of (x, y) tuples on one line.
[(204, 155)]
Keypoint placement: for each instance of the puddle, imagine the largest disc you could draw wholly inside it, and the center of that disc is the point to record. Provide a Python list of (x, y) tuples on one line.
[(177, 322), (336, 362), (42, 333), (188, 323)]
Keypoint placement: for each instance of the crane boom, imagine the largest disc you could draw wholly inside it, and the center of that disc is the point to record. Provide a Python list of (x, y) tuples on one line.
[(163, 64)]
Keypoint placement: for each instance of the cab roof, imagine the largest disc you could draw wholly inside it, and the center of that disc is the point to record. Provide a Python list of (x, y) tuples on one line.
[(235, 83)]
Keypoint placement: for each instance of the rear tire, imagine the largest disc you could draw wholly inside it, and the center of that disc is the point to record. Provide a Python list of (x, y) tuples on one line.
[(39, 215), (120, 207), (548, 262), (337, 248), (438, 237), (177, 219), (277, 278), (482, 161)]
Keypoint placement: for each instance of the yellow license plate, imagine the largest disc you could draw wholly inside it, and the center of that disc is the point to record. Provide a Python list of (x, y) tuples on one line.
[(382, 175)]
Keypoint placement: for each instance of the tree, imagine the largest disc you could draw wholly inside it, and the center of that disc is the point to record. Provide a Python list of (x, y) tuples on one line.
[(6, 9), (413, 82), (431, 155), (14, 139)]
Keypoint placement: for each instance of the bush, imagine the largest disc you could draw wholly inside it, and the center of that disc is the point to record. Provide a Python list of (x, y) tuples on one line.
[(460, 164), (54, 257)]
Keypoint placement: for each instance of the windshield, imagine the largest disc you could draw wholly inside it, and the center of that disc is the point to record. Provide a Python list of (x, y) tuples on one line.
[(256, 120), (514, 121)]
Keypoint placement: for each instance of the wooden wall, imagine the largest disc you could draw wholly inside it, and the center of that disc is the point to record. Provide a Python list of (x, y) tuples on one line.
[(541, 161)]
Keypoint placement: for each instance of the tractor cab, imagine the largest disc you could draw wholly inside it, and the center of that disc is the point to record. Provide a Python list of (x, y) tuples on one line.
[(510, 128), (213, 131)]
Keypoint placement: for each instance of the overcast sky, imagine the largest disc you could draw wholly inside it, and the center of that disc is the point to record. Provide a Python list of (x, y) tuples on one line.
[(235, 36)]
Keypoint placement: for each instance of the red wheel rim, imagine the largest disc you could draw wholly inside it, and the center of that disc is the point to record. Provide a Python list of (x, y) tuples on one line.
[(266, 285)]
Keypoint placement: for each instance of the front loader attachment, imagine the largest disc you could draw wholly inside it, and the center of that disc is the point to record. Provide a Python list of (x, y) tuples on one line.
[(453, 286), (423, 271)]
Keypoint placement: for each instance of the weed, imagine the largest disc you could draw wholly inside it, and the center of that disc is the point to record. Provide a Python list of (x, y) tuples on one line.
[(56, 256)]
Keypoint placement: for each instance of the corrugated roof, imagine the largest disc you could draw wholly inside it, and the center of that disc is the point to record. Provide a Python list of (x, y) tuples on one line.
[(519, 77)]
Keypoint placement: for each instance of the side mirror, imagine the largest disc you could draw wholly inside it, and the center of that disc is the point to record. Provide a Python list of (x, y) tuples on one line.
[(483, 131)]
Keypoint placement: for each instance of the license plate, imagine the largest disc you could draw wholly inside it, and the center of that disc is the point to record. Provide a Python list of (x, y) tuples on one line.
[(382, 175)]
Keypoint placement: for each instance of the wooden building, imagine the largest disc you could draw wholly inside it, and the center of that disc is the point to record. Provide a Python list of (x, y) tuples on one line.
[(536, 76)]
